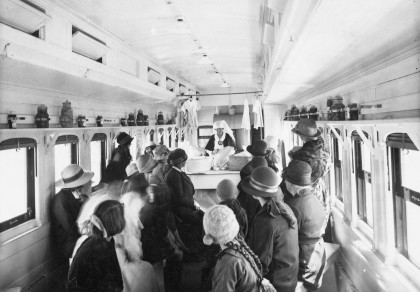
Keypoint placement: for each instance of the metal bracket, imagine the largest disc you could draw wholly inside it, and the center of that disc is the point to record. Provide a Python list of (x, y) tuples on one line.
[(338, 136), (365, 140)]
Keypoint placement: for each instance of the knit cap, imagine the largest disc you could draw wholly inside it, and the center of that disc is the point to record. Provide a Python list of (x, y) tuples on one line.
[(220, 225), (226, 190)]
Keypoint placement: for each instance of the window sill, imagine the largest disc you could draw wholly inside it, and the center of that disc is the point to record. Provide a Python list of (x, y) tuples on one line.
[(18, 231), (365, 232), (406, 272)]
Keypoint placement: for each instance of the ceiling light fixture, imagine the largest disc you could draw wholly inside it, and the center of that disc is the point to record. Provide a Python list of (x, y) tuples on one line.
[(204, 60), (224, 85)]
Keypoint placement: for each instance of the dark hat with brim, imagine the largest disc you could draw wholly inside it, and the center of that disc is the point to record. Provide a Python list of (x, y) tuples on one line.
[(258, 148), (263, 182), (307, 128), (298, 173), (124, 139)]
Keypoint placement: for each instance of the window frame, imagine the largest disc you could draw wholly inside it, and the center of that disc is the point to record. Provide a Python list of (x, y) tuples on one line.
[(102, 137), (338, 170), (396, 143), (31, 175), (74, 144), (362, 177)]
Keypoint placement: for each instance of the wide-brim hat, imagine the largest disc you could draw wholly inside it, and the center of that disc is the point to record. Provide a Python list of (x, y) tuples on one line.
[(124, 139), (298, 173), (73, 176), (145, 163), (177, 156), (258, 148), (307, 128), (131, 169), (160, 152), (263, 182)]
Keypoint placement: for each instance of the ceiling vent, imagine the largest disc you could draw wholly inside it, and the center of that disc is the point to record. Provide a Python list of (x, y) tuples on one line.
[(22, 16), (88, 46), (153, 76), (182, 89), (170, 84)]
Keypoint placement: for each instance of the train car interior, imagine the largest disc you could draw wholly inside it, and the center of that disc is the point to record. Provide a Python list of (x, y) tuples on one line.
[(76, 74)]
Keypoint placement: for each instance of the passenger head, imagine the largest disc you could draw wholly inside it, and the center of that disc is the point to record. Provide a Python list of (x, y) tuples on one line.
[(73, 177), (177, 158), (263, 183), (113, 178), (307, 130), (160, 153), (150, 146), (220, 225), (298, 176), (256, 161), (131, 169), (258, 148), (123, 139), (145, 163), (108, 219), (226, 190)]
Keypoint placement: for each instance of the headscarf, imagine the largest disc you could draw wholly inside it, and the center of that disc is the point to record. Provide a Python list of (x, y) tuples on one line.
[(226, 130)]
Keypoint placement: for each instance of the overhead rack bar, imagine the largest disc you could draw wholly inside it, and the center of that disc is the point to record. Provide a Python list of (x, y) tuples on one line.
[(209, 94)]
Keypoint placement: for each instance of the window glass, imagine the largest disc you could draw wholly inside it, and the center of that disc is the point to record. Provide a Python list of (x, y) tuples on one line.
[(369, 204), (413, 233), (410, 161), (13, 181), (365, 158), (62, 158), (96, 161)]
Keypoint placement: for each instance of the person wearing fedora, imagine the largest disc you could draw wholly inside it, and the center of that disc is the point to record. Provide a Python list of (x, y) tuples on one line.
[(121, 154), (247, 201), (65, 208), (309, 214), (273, 235), (260, 148), (160, 154), (313, 153)]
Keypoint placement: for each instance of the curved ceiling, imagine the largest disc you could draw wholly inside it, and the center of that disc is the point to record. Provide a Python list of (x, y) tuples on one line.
[(290, 49), (229, 32)]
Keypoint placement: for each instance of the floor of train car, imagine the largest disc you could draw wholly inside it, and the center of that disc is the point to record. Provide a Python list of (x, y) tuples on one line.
[(191, 280)]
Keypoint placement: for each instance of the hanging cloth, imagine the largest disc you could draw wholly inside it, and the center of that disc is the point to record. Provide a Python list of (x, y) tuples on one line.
[(257, 109), (246, 122)]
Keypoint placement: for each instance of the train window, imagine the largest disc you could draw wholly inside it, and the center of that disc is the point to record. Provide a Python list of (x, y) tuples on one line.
[(98, 157), (338, 173), (363, 176), (405, 157), (66, 153), (17, 180)]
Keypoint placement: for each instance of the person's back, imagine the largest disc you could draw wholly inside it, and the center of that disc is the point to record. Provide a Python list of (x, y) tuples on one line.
[(273, 235), (233, 272), (310, 215), (276, 244), (95, 267), (65, 209)]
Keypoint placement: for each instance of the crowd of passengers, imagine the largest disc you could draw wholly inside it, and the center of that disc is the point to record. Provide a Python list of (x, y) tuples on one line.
[(135, 231)]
